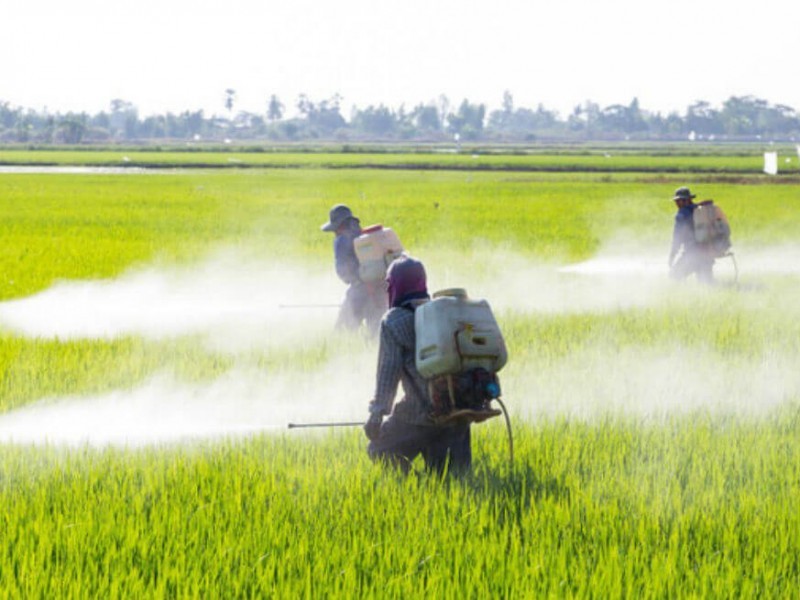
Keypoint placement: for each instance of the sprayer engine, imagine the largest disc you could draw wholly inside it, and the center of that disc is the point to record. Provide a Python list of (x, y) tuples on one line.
[(471, 390)]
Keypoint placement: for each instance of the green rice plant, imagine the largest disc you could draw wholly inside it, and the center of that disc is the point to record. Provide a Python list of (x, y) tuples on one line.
[(684, 508), (603, 159), (130, 220), (601, 501)]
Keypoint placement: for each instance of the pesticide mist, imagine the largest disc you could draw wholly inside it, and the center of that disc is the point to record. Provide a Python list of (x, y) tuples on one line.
[(232, 303), (237, 305), (165, 410)]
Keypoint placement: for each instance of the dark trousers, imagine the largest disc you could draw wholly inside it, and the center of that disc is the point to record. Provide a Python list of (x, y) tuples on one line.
[(400, 443), (698, 263), (363, 302)]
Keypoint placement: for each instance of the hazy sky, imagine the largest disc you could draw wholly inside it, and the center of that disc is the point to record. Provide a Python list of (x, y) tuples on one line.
[(175, 55)]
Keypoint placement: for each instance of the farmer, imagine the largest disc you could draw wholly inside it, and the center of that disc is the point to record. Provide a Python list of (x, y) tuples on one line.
[(362, 302), (409, 430), (692, 257)]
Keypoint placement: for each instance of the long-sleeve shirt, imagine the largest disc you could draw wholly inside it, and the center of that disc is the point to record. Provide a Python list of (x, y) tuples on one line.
[(344, 253), (683, 231), (396, 365)]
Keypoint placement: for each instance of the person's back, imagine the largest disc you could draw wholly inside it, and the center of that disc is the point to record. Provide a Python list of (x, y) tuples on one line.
[(344, 254), (409, 431), (396, 363)]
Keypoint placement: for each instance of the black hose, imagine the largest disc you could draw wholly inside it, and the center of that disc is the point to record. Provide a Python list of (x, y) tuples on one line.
[(735, 268), (510, 435)]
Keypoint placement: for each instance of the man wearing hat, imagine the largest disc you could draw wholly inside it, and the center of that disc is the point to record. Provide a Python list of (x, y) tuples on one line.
[(362, 302), (692, 257)]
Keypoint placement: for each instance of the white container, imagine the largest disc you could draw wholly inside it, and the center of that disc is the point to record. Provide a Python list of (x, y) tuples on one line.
[(455, 333), (376, 248)]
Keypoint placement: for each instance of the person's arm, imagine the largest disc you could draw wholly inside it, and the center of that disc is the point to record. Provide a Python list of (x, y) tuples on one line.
[(682, 234), (676, 244), (346, 260), (390, 368)]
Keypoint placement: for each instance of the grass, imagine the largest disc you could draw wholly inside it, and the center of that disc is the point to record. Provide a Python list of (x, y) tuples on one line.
[(618, 509), (701, 503), (742, 159), (172, 217)]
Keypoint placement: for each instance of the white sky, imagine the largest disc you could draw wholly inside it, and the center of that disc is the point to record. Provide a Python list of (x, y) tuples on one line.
[(175, 55)]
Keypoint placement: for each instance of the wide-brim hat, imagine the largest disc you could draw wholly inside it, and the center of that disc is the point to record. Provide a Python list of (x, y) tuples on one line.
[(683, 193), (338, 215)]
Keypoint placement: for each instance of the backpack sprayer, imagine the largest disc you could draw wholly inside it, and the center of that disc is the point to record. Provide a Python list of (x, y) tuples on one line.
[(375, 249), (459, 349), (713, 231)]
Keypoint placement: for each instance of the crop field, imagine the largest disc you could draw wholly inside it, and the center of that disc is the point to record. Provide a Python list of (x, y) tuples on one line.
[(160, 328), (677, 159)]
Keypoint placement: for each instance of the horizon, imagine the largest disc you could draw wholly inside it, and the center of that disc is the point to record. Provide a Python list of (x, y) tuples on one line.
[(346, 108)]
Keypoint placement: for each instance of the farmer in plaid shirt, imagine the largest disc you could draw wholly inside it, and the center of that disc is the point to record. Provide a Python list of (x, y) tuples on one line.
[(409, 430)]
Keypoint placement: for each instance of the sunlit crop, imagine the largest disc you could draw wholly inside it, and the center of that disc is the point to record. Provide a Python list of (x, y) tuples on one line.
[(656, 427)]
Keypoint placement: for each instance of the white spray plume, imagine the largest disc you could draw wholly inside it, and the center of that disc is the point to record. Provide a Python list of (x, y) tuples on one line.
[(619, 277), (243, 303), (235, 303), (769, 260), (164, 410), (652, 383), (622, 275)]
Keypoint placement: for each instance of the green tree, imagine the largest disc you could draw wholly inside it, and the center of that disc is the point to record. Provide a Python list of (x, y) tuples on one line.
[(72, 128), (379, 122), (741, 114), (274, 109), (426, 119), (703, 119), (230, 98), (502, 119), (468, 121), (8, 115), (124, 119), (322, 118), (584, 118), (621, 119)]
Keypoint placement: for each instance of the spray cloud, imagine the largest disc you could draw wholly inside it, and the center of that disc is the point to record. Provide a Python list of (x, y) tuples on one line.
[(239, 305)]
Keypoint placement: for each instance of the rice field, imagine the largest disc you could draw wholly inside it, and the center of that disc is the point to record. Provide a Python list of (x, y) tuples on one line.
[(655, 424), (678, 158)]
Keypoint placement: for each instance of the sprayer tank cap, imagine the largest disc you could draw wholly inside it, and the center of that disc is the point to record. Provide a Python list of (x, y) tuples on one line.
[(459, 293)]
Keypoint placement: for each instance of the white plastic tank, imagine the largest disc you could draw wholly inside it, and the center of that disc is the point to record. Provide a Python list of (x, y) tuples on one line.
[(376, 248), (455, 333), (703, 219)]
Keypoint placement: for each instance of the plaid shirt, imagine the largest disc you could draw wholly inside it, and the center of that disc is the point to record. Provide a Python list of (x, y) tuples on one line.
[(395, 365)]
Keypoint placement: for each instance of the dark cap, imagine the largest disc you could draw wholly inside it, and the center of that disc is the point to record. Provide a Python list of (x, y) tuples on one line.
[(338, 215), (683, 193)]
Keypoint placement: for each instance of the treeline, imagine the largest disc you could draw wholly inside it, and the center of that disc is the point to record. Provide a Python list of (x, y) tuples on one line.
[(739, 118)]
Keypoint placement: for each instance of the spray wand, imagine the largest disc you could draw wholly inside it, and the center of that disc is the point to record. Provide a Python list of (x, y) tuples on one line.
[(361, 424), (309, 305), (334, 424)]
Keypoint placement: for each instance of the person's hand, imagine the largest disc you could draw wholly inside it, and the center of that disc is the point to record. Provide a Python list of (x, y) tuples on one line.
[(373, 426)]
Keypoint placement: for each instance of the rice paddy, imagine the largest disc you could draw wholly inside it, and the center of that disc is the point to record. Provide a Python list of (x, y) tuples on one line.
[(656, 424)]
